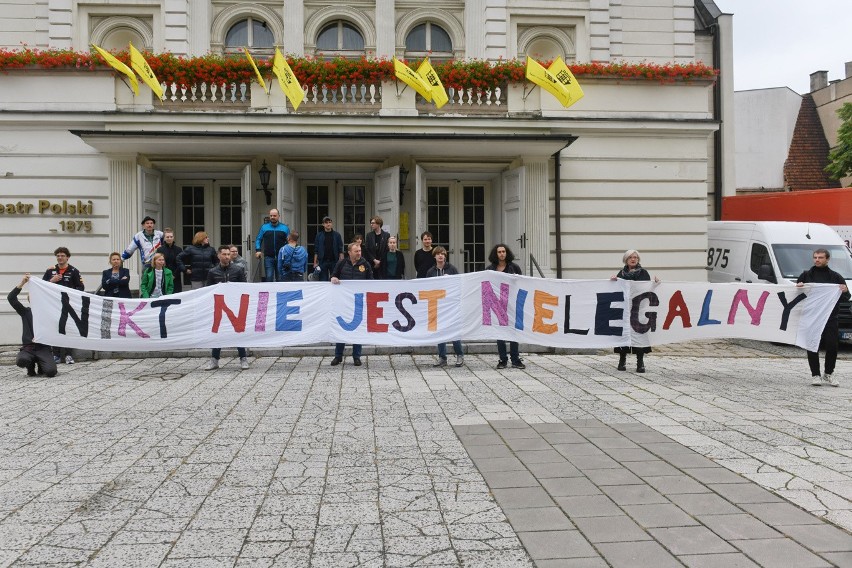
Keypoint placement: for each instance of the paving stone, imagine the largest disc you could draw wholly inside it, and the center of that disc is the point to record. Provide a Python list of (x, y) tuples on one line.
[(517, 444), (610, 529), (564, 486), (780, 514), (505, 479), (538, 519), (499, 464), (647, 554), (779, 553), (714, 475), (588, 506), (703, 504), (820, 538), (738, 526), (522, 498), (613, 476), (554, 469), (633, 494), (744, 493), (733, 560), (651, 468), (659, 515), (556, 544), (674, 484), (690, 540)]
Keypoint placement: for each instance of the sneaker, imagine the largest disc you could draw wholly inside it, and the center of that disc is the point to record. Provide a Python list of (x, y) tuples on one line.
[(244, 364), (69, 360), (816, 381), (356, 362), (830, 380), (336, 361), (640, 368), (501, 364), (212, 364), (518, 365), (56, 359), (459, 360), (440, 363)]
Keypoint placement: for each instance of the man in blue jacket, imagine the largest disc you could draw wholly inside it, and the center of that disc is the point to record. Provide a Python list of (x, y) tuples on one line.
[(292, 260), (271, 237), (328, 249)]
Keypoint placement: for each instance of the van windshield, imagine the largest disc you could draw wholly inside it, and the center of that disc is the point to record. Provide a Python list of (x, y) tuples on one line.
[(795, 259)]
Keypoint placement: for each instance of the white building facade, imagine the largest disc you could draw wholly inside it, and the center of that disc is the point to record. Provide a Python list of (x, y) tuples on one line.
[(634, 164)]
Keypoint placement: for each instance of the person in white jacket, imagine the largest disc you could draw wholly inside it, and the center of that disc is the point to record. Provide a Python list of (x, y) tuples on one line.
[(147, 241)]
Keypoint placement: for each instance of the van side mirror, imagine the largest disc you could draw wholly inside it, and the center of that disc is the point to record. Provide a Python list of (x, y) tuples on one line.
[(766, 273)]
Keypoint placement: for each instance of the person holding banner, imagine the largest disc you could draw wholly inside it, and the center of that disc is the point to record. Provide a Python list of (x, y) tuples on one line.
[(147, 241), (32, 354), (115, 281), (444, 268), (352, 268), (820, 273), (157, 280), (225, 272), (632, 270), (501, 258), (393, 262)]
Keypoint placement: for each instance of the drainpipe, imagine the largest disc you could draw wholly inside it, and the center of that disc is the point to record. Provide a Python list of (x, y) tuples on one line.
[(717, 114), (557, 212)]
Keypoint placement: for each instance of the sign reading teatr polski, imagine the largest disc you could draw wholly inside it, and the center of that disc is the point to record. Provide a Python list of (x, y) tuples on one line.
[(478, 306), (78, 208)]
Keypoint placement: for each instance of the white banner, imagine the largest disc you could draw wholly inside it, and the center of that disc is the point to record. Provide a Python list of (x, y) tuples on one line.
[(478, 306)]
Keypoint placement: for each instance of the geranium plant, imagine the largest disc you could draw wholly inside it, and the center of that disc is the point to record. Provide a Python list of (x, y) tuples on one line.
[(226, 69)]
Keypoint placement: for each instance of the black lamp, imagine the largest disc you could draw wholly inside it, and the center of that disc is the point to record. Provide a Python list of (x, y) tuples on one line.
[(403, 177), (264, 173)]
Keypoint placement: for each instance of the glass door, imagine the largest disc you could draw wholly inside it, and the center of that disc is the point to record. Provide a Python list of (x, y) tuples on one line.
[(456, 218)]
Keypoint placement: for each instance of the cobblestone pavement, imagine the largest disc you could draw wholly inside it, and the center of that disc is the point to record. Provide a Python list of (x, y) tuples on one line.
[(154, 462)]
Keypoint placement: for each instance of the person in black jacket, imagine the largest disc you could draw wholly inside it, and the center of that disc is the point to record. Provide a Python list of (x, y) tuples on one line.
[(632, 271), (198, 258), (392, 266), (225, 271), (31, 354), (375, 243), (820, 273), (352, 268), (501, 259), (65, 275), (115, 280), (171, 252)]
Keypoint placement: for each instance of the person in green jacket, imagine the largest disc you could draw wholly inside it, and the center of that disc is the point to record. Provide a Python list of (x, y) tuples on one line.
[(157, 280)]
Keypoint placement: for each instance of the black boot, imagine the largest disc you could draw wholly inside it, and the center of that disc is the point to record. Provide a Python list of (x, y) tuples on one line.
[(640, 362), (622, 361)]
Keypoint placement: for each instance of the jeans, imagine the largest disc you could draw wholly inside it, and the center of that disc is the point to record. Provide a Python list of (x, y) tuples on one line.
[(217, 351), (513, 350), (442, 349), (356, 350), (293, 277), (829, 340), (325, 269), (270, 264)]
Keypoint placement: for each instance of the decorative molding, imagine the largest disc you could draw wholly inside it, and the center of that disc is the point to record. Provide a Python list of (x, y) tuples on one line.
[(560, 36), (318, 20), (411, 19), (237, 12), (103, 28)]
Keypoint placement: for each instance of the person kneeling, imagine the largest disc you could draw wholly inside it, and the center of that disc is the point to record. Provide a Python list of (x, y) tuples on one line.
[(32, 355)]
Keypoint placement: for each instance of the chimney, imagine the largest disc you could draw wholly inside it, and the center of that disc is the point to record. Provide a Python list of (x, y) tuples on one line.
[(848, 69), (819, 80)]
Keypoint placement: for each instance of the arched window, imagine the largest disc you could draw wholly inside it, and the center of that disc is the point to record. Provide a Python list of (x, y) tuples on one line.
[(252, 33), (118, 38), (340, 39), (544, 49), (428, 39)]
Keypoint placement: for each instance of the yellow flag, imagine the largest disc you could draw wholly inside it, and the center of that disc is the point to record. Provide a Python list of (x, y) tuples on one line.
[(408, 76), (287, 80), (144, 71), (428, 73), (547, 81), (559, 70), (120, 67), (256, 71)]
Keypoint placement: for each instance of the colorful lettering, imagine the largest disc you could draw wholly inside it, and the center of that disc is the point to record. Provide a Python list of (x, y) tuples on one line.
[(284, 309), (237, 321), (677, 309), (540, 300), (756, 312)]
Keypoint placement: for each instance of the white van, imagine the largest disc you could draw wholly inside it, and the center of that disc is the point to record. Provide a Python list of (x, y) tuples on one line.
[(775, 252)]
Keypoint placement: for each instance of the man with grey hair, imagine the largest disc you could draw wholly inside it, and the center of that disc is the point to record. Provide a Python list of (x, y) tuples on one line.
[(820, 273)]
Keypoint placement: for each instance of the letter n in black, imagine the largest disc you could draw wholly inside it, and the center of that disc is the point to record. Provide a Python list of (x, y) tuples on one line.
[(82, 320)]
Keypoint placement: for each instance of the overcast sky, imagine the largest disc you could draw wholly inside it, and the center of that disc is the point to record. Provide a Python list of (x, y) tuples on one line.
[(780, 43)]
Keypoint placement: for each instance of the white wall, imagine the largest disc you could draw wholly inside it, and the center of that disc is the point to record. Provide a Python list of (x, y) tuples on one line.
[(765, 119)]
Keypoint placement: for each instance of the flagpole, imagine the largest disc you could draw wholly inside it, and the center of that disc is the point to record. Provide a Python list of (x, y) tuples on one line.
[(526, 94)]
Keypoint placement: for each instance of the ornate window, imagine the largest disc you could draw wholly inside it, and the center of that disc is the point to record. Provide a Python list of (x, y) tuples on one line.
[(546, 43), (252, 33), (428, 39), (340, 39), (114, 32)]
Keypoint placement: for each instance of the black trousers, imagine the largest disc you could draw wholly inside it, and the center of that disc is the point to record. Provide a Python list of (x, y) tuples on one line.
[(828, 341), (41, 356)]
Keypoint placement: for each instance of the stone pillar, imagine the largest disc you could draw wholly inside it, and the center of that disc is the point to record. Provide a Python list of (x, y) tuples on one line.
[(294, 27), (385, 28), (474, 29), (123, 203)]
